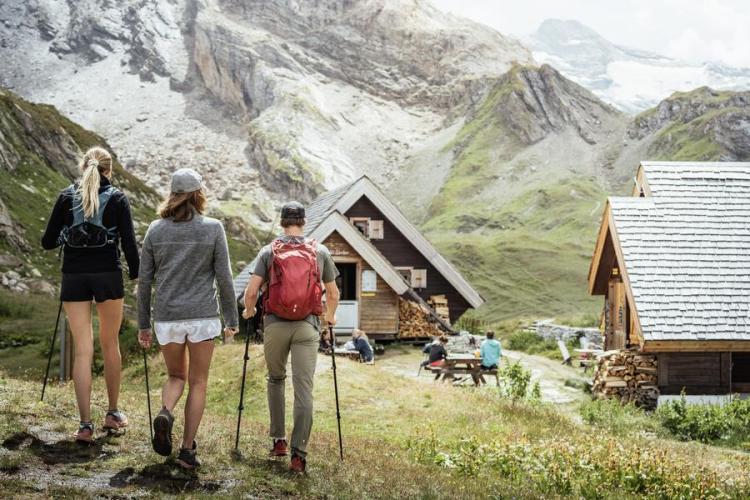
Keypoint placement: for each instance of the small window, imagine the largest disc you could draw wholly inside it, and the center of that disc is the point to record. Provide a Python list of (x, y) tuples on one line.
[(417, 278), (363, 224), (376, 230)]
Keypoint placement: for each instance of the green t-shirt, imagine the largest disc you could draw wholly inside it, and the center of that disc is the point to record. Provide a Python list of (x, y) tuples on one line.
[(328, 271)]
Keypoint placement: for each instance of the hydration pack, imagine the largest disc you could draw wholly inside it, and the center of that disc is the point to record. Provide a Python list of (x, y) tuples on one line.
[(89, 233), (294, 289)]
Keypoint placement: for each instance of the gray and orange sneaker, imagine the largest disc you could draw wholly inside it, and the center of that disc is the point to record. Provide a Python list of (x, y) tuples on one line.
[(279, 448), (298, 464), (115, 420), (85, 433), (188, 458)]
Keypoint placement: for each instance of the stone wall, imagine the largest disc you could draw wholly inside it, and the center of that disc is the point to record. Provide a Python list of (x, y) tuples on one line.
[(549, 330)]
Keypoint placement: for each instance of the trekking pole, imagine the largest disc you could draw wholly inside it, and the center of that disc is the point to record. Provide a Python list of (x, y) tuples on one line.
[(51, 349), (148, 395), (336, 390), (242, 388)]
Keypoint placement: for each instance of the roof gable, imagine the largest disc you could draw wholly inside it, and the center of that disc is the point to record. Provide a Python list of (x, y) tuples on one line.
[(684, 250), (365, 187)]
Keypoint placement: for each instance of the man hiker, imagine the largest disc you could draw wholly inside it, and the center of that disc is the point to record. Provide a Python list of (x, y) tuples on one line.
[(491, 352), (293, 268)]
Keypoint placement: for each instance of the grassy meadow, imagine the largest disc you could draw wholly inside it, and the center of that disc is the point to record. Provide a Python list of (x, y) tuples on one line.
[(404, 438)]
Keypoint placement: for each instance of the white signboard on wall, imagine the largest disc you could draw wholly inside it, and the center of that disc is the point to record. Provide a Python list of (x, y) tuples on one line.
[(369, 281)]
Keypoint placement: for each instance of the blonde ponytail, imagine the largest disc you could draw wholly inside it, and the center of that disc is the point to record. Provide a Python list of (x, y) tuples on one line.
[(95, 163)]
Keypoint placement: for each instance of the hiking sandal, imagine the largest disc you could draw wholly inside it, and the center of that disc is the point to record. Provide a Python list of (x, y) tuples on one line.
[(115, 420), (162, 442), (85, 433)]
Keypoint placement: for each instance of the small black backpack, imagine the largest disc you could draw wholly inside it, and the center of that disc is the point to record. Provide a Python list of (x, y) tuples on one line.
[(89, 233)]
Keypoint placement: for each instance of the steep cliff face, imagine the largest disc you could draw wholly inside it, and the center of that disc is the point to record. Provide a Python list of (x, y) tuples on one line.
[(267, 98)]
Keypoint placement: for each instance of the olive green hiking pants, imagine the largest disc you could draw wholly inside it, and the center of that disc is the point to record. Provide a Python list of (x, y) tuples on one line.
[(301, 339)]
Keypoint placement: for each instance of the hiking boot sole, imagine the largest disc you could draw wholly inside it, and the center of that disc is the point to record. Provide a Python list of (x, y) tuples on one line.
[(185, 465), (162, 442)]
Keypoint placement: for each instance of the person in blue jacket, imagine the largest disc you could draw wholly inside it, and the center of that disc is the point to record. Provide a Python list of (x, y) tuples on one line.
[(491, 352)]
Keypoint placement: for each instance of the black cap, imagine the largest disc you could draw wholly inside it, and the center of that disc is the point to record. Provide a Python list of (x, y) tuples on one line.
[(293, 210)]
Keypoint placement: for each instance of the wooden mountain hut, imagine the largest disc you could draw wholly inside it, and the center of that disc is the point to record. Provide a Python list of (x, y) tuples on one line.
[(393, 282), (673, 264)]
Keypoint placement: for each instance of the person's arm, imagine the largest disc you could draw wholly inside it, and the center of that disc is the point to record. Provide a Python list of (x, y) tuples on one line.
[(332, 302), (251, 295), (55, 224), (223, 273), (127, 237), (257, 278), (143, 292), (329, 281)]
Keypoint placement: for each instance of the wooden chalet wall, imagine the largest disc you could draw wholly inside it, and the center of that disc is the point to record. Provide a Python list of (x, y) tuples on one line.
[(379, 310), (696, 372), (400, 252)]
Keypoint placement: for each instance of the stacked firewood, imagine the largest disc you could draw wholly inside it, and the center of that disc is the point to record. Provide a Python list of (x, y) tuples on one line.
[(415, 321), (440, 305), (628, 376)]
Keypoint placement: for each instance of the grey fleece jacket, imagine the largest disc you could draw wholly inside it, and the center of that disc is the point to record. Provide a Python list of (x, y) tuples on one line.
[(184, 261)]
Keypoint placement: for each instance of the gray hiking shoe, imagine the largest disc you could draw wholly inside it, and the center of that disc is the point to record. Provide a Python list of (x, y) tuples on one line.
[(162, 442), (188, 458)]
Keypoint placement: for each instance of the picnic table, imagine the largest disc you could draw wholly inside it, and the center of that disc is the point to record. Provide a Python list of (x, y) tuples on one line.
[(467, 366)]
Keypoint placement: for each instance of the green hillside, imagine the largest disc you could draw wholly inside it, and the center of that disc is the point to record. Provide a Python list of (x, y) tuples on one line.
[(523, 235), (533, 165)]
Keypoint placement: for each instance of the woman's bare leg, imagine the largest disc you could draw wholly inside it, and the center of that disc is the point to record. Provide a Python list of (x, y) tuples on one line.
[(110, 319), (79, 319), (175, 357), (200, 361)]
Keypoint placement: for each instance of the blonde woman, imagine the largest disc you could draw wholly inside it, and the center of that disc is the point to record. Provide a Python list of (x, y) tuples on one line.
[(362, 344), (184, 254), (91, 220)]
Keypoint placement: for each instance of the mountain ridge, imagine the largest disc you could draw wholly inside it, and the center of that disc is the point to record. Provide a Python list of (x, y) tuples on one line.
[(631, 79)]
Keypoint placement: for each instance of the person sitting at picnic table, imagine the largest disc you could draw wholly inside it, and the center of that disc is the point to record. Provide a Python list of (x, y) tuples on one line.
[(491, 352), (325, 343), (438, 353), (362, 345)]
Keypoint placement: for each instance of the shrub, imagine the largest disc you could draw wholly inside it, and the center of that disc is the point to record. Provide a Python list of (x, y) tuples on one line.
[(515, 381), (707, 423), (566, 466), (529, 342)]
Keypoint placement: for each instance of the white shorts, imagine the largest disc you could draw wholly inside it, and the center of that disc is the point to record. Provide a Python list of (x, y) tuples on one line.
[(194, 330)]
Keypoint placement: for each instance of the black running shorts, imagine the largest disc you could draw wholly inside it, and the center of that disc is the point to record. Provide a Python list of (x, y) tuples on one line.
[(82, 287)]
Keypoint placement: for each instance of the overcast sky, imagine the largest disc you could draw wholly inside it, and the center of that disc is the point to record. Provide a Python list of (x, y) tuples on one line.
[(691, 30)]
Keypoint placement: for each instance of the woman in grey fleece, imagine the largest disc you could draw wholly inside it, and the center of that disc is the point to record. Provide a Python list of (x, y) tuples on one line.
[(184, 257)]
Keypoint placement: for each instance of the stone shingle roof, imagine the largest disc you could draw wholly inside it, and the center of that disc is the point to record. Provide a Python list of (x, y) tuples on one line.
[(687, 250)]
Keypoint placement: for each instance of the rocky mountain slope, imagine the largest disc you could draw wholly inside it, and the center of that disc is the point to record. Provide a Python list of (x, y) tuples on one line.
[(631, 79), (267, 97)]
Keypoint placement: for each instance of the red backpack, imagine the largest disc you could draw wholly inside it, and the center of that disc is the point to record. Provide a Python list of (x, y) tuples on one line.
[(294, 289)]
